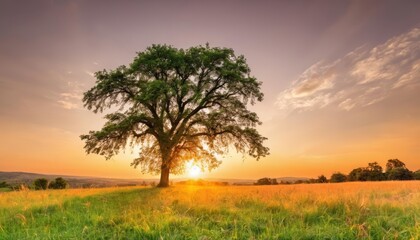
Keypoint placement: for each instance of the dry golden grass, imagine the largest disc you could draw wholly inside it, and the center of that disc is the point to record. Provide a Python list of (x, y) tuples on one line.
[(368, 210), (26, 199)]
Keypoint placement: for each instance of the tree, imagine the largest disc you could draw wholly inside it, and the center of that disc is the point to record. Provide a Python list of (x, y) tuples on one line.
[(58, 183), (41, 184), (400, 173), (358, 174), (374, 172), (396, 170), (338, 177), (416, 175), (177, 105), (322, 179), (394, 163), (266, 181)]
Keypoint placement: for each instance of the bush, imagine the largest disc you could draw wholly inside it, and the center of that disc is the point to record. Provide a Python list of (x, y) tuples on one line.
[(40, 184), (400, 173), (266, 181), (322, 179), (58, 183), (416, 175), (4, 185), (338, 177)]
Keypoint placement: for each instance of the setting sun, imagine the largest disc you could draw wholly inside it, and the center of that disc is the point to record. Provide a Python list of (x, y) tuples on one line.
[(193, 170)]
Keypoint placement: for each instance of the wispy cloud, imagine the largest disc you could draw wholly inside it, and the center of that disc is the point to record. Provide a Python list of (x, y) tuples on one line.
[(363, 77), (90, 73), (68, 105), (72, 98)]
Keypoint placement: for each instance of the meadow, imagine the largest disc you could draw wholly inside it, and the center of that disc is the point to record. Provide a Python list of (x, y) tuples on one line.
[(374, 210)]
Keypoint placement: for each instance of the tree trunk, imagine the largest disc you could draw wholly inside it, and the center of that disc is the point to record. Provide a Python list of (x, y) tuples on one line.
[(164, 177)]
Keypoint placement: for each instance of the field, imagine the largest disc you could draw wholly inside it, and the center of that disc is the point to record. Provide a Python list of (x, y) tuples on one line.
[(377, 210)]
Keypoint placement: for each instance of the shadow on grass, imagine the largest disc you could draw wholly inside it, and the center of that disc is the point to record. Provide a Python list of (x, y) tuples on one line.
[(156, 213), (89, 217)]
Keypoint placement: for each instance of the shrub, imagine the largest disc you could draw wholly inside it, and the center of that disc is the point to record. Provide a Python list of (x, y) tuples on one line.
[(266, 181), (400, 173), (40, 184), (322, 179), (58, 183), (416, 175), (338, 177)]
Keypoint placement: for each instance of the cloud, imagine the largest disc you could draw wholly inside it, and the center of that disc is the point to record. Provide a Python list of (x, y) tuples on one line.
[(90, 73), (361, 78), (72, 98), (68, 105)]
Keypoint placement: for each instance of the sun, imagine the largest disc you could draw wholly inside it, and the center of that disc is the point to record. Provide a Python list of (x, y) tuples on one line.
[(194, 171)]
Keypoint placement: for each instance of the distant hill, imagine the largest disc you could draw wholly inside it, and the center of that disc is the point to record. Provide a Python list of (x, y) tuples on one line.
[(15, 178)]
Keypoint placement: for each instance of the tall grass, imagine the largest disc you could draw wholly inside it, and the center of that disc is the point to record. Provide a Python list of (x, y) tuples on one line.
[(377, 210)]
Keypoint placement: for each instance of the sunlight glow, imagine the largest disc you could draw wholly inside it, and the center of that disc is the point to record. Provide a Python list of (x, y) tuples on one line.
[(193, 170)]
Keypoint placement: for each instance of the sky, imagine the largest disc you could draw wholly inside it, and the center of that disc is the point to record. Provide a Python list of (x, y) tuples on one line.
[(341, 79)]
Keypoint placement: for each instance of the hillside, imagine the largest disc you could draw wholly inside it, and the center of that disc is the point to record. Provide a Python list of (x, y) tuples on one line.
[(15, 178)]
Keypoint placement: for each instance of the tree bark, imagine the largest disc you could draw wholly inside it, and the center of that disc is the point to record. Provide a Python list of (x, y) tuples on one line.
[(164, 177)]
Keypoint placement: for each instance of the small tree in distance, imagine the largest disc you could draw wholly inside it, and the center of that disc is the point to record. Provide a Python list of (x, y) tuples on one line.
[(41, 184), (177, 105), (416, 175), (400, 173), (338, 177), (58, 183), (394, 163), (322, 179), (266, 181)]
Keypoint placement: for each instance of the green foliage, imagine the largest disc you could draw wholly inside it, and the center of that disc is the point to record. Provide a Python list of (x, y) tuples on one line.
[(266, 181), (41, 184), (177, 105), (338, 177), (400, 173), (358, 174), (394, 163), (322, 179), (58, 183), (373, 172), (4, 185), (416, 175)]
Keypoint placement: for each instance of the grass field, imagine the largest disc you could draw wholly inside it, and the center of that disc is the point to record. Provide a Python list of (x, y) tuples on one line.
[(377, 210)]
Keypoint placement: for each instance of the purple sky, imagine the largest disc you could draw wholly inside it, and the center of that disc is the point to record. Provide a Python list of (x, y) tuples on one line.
[(341, 78)]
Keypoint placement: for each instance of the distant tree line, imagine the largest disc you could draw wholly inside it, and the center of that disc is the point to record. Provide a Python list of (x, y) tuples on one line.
[(43, 184), (394, 170), (4, 185), (266, 181), (38, 184)]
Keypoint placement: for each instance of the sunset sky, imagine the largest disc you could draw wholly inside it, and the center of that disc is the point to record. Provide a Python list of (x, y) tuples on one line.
[(341, 79)]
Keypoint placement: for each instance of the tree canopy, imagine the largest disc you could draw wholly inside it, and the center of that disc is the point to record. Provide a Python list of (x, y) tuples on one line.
[(338, 177), (394, 163), (41, 184), (177, 105), (58, 183)]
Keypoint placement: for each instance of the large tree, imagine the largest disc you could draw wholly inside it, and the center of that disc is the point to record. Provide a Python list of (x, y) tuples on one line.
[(177, 105)]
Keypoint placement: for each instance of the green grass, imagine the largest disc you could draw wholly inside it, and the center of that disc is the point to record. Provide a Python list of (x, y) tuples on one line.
[(5, 190), (387, 210)]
